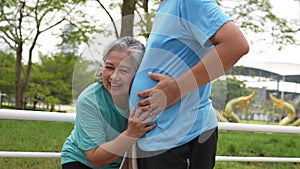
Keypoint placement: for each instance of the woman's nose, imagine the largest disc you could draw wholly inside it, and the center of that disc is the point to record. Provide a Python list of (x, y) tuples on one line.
[(115, 75)]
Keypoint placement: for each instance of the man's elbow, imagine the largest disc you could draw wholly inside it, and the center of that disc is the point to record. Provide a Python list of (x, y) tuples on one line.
[(244, 48)]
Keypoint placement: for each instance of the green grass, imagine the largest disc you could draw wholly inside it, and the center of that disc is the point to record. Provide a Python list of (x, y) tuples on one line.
[(32, 136), (50, 136), (258, 145)]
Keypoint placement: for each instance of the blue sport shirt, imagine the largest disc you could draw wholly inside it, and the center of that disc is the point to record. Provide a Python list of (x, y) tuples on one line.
[(178, 40)]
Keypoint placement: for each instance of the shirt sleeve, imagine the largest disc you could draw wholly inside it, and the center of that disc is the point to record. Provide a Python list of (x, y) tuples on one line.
[(89, 123), (204, 17)]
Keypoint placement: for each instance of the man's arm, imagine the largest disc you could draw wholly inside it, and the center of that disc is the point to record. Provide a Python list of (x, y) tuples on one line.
[(229, 46)]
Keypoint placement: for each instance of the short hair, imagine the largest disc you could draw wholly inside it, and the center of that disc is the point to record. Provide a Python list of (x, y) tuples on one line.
[(135, 48)]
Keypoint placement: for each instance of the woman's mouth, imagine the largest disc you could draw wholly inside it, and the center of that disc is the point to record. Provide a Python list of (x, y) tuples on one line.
[(115, 85)]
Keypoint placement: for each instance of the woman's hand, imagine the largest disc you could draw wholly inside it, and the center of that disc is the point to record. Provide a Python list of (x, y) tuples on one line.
[(112, 150), (138, 123)]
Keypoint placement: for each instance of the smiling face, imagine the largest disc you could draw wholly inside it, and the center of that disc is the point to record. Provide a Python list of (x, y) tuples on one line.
[(118, 73)]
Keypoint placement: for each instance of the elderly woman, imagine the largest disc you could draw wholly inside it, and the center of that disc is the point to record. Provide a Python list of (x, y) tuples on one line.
[(100, 137)]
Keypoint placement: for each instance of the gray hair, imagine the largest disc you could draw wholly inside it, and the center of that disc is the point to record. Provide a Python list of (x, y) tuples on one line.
[(136, 51)]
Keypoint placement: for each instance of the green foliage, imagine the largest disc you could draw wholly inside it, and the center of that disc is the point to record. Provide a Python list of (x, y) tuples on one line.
[(219, 94), (22, 23), (83, 75), (52, 79), (257, 16), (223, 91), (144, 15), (7, 73), (236, 88), (253, 15)]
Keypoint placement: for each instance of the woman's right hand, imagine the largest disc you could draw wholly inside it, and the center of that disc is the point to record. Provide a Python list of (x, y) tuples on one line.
[(138, 123)]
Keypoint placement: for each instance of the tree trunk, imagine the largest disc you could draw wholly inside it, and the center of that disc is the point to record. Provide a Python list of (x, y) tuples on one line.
[(18, 84), (128, 9), (19, 49), (28, 69), (148, 18)]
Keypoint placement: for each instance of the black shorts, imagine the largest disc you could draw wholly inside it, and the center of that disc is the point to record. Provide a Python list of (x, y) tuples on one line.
[(197, 154), (74, 165)]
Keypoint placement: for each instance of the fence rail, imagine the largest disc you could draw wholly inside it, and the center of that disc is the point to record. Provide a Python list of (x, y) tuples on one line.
[(36, 115), (70, 117)]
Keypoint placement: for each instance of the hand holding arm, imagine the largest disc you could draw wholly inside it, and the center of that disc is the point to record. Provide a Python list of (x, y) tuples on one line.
[(229, 46), (111, 151)]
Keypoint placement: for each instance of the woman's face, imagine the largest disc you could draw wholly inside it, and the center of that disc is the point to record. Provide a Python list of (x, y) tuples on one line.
[(118, 72)]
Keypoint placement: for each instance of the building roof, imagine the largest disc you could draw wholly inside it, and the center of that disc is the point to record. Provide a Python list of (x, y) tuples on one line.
[(289, 72)]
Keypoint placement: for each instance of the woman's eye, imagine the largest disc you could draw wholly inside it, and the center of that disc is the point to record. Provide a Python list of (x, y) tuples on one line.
[(108, 67), (124, 71)]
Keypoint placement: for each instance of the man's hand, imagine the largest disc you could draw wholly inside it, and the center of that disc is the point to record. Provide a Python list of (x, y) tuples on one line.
[(163, 95)]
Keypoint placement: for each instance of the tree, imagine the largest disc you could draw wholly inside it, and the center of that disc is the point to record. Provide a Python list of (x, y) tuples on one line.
[(37, 90), (251, 15), (23, 22), (257, 16), (54, 75), (225, 90), (58, 79), (83, 75), (129, 10), (7, 73)]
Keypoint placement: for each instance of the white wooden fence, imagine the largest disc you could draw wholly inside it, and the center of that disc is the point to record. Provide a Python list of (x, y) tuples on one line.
[(70, 117)]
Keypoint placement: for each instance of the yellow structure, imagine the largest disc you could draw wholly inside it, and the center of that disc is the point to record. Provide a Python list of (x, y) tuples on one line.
[(236, 102), (280, 104), (296, 123), (220, 117)]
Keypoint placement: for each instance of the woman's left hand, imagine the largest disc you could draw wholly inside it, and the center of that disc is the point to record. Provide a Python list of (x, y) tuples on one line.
[(138, 123)]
